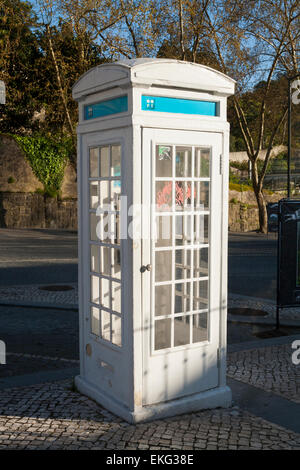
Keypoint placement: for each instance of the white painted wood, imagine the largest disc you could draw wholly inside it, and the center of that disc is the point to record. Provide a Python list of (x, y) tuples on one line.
[(159, 72), (119, 361), (181, 371), (135, 381)]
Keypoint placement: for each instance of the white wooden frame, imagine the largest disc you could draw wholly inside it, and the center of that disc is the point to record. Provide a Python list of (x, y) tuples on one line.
[(115, 376)]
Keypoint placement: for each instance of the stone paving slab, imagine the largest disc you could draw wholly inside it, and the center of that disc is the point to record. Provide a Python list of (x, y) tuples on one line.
[(268, 368), (53, 416)]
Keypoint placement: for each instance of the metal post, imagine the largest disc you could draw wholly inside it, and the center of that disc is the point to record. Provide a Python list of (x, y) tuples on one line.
[(290, 79), (278, 265), (289, 142)]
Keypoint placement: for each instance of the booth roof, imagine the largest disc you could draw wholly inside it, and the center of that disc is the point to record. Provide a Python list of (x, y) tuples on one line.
[(151, 71)]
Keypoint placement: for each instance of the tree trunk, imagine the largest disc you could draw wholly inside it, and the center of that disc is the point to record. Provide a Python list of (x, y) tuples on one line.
[(260, 199), (262, 211)]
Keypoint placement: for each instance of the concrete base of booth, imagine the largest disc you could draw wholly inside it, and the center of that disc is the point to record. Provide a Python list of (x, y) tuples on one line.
[(219, 397)]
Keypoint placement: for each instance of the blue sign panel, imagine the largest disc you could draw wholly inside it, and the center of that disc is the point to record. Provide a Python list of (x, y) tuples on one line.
[(165, 104), (106, 108)]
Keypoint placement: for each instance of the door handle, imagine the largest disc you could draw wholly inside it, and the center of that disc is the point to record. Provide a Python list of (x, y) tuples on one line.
[(148, 267)]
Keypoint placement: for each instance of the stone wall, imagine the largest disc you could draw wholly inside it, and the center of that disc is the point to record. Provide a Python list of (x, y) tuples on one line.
[(17, 176), (242, 218), (243, 211), (28, 210), (242, 156)]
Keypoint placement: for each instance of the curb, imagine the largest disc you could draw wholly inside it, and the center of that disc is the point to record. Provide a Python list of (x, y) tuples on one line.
[(262, 343), (262, 321)]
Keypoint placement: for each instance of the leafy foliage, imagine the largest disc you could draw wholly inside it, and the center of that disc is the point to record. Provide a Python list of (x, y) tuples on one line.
[(239, 187), (19, 57), (48, 158)]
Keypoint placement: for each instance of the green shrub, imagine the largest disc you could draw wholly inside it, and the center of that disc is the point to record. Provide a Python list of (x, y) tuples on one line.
[(240, 187), (11, 180), (47, 158)]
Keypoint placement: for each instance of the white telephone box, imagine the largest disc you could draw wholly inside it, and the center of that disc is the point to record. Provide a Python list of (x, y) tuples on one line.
[(153, 144)]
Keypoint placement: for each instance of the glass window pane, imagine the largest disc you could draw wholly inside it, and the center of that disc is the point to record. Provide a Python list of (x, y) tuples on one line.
[(183, 230), (94, 168), (116, 296), (116, 330), (95, 264), (183, 196), (200, 295), (95, 293), (201, 201), (95, 321), (94, 194), (163, 195), (163, 266), (181, 330), (105, 260), (93, 226), (115, 194), (163, 334), (182, 264), (116, 263), (200, 327), (202, 163), (105, 293), (104, 162), (182, 297), (105, 325), (163, 298), (201, 262), (116, 228), (163, 161), (164, 230), (201, 228), (104, 227), (104, 200), (116, 160), (183, 161)]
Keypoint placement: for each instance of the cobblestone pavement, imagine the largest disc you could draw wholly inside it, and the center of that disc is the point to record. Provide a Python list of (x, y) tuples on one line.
[(52, 416), (34, 294), (268, 368), (235, 301)]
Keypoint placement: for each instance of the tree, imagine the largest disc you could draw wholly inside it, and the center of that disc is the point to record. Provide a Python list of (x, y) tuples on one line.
[(247, 44), (19, 55), (240, 40)]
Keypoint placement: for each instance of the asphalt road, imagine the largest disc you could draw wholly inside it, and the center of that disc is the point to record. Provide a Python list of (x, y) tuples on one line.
[(37, 256), (252, 265), (50, 256)]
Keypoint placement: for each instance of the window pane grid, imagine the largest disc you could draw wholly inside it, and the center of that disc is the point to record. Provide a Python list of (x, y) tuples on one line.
[(181, 314), (182, 281), (105, 253), (183, 199)]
